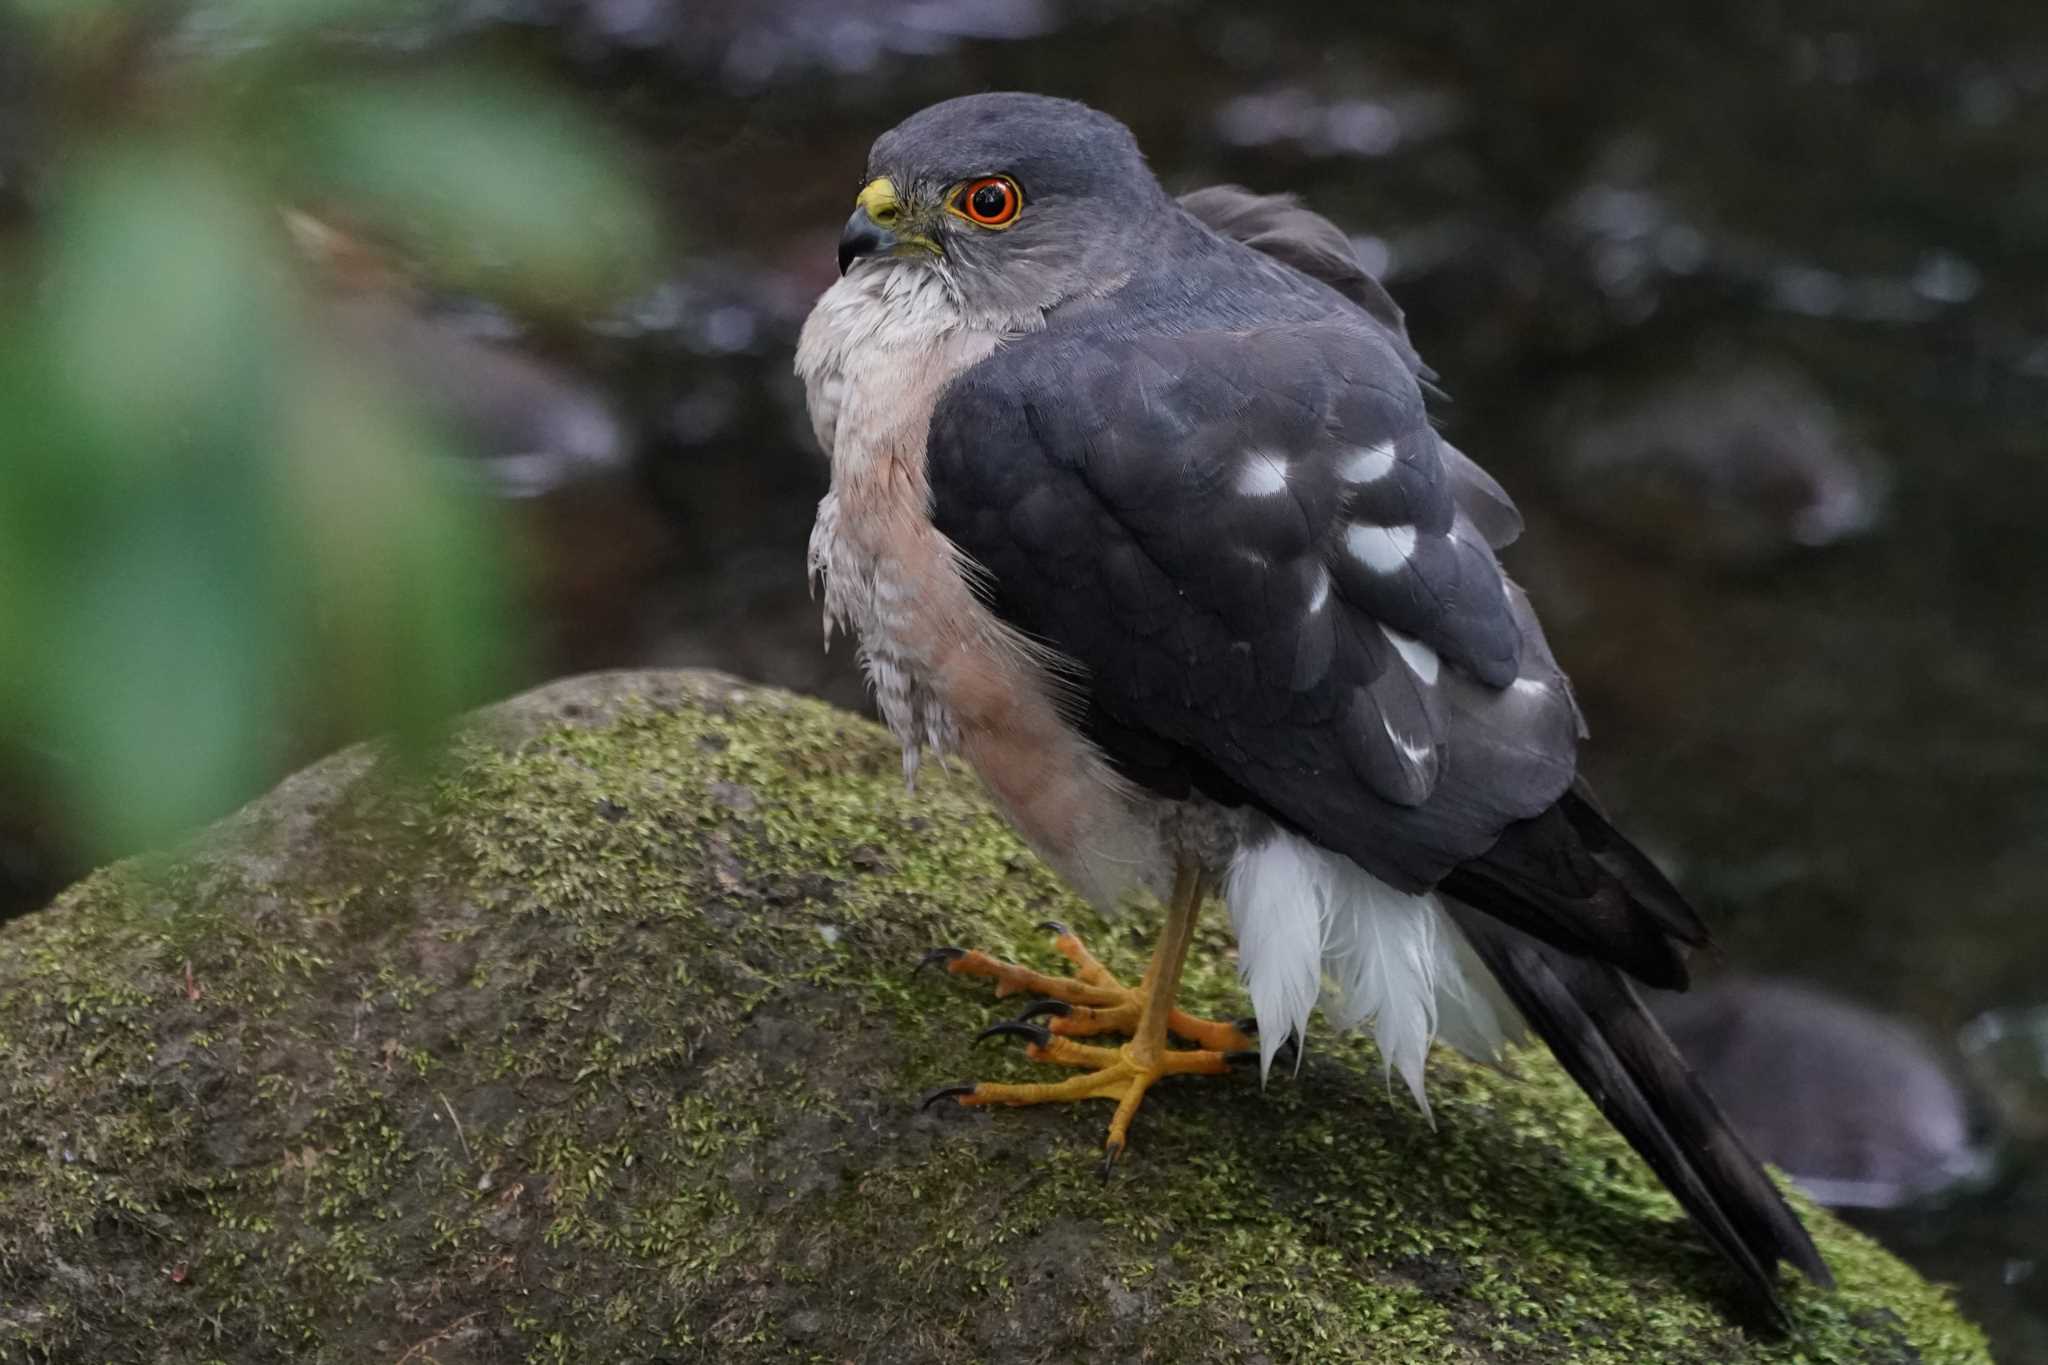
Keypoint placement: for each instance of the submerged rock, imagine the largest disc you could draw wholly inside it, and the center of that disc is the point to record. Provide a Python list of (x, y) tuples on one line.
[(1851, 1104), (600, 1044), (1729, 465)]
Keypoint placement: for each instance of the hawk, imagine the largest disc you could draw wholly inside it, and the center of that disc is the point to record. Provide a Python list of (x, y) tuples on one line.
[(1136, 505)]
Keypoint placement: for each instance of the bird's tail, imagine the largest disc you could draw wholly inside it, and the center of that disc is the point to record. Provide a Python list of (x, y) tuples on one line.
[(1593, 1021)]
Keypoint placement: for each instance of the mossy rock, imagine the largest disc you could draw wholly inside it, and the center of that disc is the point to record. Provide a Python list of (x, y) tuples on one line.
[(601, 1043)]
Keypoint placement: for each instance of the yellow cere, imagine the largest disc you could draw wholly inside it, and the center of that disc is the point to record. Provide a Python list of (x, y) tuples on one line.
[(880, 200)]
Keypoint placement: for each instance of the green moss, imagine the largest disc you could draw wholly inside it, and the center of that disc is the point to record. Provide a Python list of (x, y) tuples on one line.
[(602, 1045)]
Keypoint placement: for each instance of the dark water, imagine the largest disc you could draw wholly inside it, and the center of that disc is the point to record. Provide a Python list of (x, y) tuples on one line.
[(1748, 307)]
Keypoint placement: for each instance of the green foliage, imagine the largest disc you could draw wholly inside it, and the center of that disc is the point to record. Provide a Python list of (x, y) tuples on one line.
[(564, 220), (217, 529)]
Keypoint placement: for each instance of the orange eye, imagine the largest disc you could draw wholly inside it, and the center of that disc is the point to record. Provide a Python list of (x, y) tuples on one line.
[(992, 201)]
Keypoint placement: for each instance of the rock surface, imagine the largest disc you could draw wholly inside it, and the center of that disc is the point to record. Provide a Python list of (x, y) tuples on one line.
[(599, 1043)]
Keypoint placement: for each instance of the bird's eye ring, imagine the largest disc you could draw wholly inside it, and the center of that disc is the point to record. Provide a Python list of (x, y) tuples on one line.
[(991, 201)]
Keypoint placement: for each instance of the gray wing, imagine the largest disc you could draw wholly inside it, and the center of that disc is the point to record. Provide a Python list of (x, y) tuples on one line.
[(1251, 544), (1277, 225)]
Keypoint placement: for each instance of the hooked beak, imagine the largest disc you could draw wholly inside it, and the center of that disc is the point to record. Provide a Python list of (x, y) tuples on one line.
[(880, 226), (864, 237)]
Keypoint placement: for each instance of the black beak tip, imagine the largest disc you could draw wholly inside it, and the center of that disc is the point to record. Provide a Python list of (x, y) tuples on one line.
[(859, 239), (863, 237)]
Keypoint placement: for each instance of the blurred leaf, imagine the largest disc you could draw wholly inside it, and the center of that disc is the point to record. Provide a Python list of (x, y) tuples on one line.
[(164, 305), (278, 20), (142, 626), (398, 555), (27, 440), (243, 19), (502, 187), (61, 19), (213, 531), (156, 670), (209, 519)]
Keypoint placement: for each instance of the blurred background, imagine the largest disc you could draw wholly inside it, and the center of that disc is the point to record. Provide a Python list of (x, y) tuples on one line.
[(363, 360)]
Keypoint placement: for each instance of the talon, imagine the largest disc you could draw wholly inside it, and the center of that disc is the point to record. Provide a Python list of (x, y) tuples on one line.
[(1037, 1033), (1248, 1027), (1089, 1001), (1288, 1054), (945, 1092), (1110, 1154)]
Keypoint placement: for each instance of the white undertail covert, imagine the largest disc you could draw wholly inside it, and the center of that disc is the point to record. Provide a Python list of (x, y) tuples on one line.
[(1313, 925)]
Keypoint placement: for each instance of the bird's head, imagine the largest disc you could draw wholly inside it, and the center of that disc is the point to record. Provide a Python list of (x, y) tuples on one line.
[(1019, 202)]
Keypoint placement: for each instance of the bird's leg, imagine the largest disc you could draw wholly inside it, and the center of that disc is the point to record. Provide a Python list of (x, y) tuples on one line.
[(1091, 1001), (1124, 1073)]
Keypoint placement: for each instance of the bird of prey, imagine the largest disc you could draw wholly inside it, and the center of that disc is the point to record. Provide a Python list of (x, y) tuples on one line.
[(1136, 505)]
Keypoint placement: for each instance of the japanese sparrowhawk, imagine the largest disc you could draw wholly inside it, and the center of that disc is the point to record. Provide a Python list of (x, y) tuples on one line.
[(1136, 505)]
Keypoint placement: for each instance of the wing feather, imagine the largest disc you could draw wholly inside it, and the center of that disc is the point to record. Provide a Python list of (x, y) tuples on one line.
[(1250, 543)]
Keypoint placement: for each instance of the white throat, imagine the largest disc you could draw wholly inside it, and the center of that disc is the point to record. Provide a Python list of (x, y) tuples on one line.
[(865, 332)]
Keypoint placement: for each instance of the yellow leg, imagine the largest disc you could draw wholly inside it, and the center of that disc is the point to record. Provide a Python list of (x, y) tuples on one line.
[(1124, 1073)]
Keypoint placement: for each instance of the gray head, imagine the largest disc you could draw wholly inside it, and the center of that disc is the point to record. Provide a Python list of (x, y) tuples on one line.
[(1020, 202)]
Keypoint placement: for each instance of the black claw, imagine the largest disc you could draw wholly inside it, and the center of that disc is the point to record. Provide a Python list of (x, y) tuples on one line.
[(1054, 927), (1110, 1155), (1037, 1033), (944, 1092), (1038, 1007), (1248, 1027), (1284, 1056), (946, 954)]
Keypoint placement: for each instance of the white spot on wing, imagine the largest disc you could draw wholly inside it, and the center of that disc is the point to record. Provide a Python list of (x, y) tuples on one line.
[(1419, 657), (1368, 463), (1263, 475), (1383, 549), (1319, 596), (1416, 754), (1530, 687)]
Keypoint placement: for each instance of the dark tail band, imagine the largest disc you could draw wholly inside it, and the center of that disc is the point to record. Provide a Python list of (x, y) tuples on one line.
[(1592, 1020)]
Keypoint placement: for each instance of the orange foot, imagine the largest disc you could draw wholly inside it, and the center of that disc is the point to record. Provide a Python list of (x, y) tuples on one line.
[(1122, 1074), (1092, 1002)]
